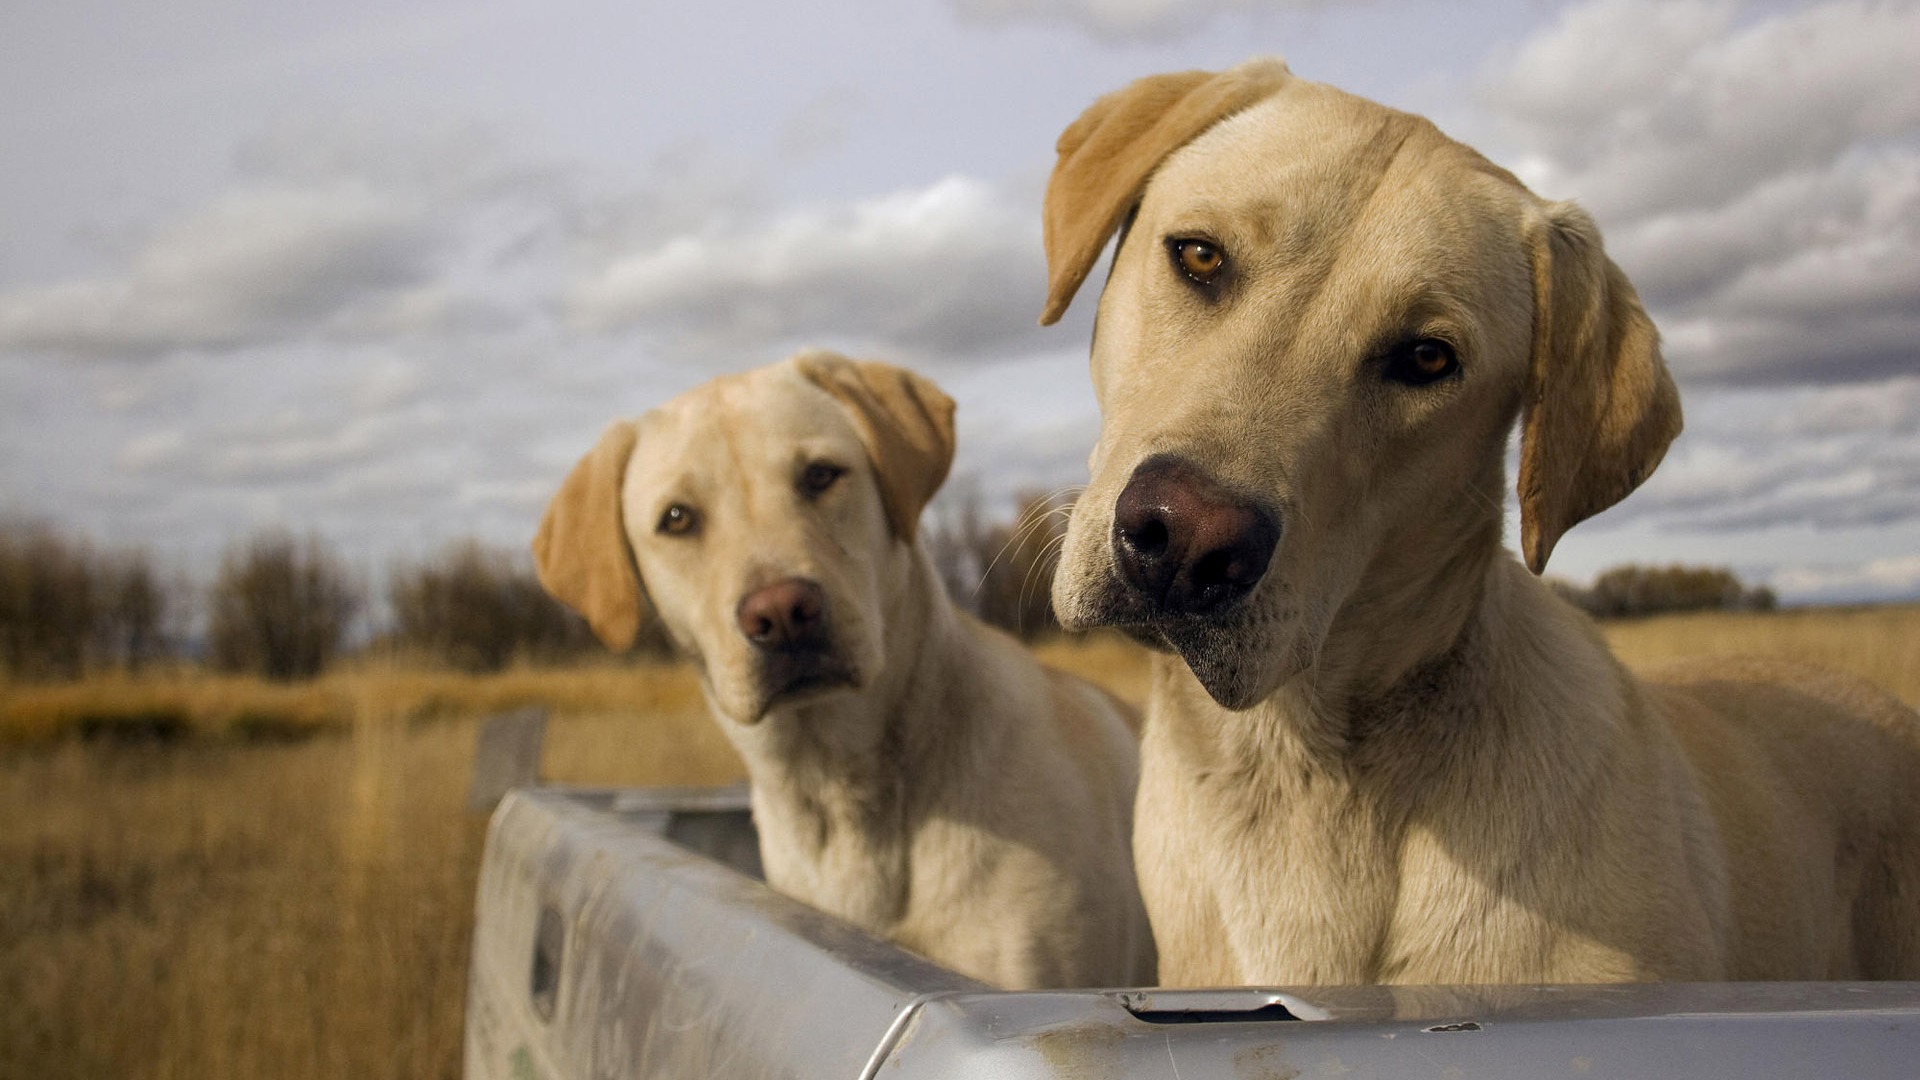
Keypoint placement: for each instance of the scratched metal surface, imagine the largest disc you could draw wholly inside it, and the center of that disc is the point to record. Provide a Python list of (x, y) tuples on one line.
[(670, 964), (658, 962)]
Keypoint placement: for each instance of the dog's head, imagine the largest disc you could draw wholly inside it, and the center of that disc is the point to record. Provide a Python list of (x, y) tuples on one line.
[(1322, 320), (767, 518)]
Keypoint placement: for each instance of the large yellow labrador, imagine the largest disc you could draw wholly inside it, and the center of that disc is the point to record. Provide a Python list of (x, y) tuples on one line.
[(1390, 754), (913, 771)]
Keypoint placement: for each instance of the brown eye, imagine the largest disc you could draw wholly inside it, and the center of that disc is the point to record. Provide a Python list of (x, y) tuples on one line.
[(1200, 260), (677, 520), (818, 477), (1418, 363)]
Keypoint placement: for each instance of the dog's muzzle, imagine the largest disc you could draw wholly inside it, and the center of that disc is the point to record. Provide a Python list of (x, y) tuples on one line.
[(788, 626)]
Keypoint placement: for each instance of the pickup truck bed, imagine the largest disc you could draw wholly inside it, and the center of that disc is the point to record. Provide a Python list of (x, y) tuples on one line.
[(626, 934)]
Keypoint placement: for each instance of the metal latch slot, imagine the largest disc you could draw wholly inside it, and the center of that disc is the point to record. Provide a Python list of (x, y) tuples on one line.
[(1217, 1006)]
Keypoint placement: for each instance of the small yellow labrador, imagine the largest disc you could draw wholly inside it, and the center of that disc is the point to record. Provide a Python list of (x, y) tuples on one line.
[(913, 771), (1390, 754)]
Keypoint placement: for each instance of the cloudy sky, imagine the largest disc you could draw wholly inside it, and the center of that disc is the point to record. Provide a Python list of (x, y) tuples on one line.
[(384, 270)]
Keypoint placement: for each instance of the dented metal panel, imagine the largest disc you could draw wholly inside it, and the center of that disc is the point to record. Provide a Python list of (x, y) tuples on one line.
[(606, 948)]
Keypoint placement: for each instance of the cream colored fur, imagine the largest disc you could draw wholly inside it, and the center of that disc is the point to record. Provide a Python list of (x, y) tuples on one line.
[(1400, 758), (959, 799)]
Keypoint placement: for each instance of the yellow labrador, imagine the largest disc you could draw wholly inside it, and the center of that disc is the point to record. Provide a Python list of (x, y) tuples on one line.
[(913, 771), (1390, 754)]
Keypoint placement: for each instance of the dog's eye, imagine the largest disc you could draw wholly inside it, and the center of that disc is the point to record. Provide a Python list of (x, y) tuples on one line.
[(678, 520), (818, 477), (1200, 260), (1417, 363)]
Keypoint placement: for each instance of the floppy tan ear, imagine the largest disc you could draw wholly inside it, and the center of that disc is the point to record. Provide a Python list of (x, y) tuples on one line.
[(1600, 407), (906, 422), (581, 551), (1108, 153)]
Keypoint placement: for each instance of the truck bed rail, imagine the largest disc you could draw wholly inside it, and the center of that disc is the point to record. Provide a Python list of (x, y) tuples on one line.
[(625, 934)]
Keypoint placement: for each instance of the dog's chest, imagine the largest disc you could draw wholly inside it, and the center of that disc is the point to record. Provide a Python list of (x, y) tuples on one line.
[(833, 852), (1281, 875)]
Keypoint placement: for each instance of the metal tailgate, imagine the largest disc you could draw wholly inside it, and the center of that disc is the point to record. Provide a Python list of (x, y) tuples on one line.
[(606, 948)]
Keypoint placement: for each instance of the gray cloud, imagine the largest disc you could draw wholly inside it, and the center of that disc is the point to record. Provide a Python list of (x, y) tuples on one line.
[(950, 270), (334, 231), (1897, 575), (1828, 457), (1120, 20), (251, 266), (1759, 179), (1640, 106)]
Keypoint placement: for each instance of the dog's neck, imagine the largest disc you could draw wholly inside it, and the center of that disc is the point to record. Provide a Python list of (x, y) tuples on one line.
[(1338, 734), (844, 779), (1428, 608), (1416, 598)]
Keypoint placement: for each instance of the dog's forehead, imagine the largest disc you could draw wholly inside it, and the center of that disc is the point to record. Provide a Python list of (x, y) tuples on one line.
[(735, 425), (1316, 156)]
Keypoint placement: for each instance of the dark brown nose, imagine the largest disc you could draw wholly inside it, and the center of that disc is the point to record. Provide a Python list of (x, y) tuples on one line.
[(1185, 544), (788, 614)]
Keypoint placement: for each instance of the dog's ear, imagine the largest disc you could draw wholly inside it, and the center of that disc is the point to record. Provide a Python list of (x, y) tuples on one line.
[(1600, 407), (906, 422), (581, 551), (1108, 153)]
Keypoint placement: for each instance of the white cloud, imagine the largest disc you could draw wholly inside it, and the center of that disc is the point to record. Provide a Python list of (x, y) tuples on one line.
[(1758, 177), (1896, 576), (1641, 106), (1824, 457), (949, 270), (324, 231), (251, 265)]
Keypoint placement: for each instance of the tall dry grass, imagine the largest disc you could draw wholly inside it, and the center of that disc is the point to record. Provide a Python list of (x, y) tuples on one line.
[(1879, 644), (217, 907), (212, 907)]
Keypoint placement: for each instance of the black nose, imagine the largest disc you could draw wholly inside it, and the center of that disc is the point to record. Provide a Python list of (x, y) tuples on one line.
[(1184, 543), (788, 614)]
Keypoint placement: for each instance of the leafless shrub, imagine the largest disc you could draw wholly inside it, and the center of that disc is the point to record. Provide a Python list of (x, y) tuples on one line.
[(476, 608), (66, 608), (280, 607)]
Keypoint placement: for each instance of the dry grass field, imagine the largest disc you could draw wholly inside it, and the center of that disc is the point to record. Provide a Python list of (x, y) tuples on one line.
[(207, 877)]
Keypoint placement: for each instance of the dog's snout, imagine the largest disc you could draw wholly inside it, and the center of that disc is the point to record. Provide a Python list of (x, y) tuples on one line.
[(788, 614), (1186, 544)]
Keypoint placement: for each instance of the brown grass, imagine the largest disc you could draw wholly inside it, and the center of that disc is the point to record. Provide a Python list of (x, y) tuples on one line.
[(1879, 644), (215, 907), (1109, 659), (218, 908)]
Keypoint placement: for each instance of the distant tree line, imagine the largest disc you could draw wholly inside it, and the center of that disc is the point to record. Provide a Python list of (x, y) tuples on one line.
[(280, 606), (1632, 590), (285, 607)]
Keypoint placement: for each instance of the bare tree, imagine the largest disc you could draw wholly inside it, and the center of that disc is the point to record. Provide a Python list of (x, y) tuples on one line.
[(49, 597), (478, 608), (132, 610), (280, 607), (1002, 571), (66, 608)]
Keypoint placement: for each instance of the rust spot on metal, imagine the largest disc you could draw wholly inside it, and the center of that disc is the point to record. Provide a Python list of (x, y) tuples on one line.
[(1082, 1051), (1263, 1063)]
